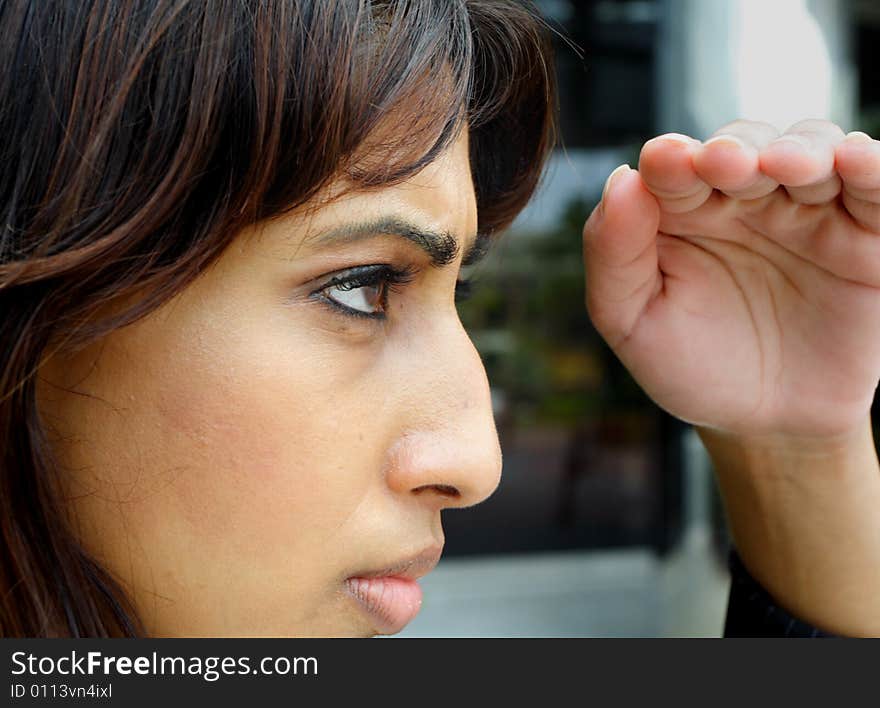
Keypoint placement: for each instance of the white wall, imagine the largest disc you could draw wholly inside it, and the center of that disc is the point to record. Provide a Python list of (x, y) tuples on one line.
[(772, 60)]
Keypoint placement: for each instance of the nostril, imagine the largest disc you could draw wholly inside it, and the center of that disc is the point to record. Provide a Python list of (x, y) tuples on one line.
[(446, 490)]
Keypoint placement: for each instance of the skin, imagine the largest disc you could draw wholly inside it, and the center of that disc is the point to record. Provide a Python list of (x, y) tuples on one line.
[(237, 454), (244, 449), (739, 281)]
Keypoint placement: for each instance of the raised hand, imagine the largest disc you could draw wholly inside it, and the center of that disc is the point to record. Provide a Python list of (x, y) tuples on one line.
[(739, 279)]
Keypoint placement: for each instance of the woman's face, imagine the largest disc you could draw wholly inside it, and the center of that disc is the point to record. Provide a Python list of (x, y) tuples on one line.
[(235, 457)]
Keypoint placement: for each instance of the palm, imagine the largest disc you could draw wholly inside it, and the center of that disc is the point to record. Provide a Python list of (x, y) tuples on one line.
[(761, 312)]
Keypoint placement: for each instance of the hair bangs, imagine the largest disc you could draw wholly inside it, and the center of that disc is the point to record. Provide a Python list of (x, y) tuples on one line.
[(406, 79)]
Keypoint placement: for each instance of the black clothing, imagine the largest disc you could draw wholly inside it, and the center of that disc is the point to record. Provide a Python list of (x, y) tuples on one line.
[(751, 612)]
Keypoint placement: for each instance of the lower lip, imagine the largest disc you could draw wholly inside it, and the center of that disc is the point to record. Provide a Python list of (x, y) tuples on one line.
[(392, 602)]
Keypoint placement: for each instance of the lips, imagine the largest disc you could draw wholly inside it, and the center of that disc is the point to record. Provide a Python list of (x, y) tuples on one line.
[(391, 596)]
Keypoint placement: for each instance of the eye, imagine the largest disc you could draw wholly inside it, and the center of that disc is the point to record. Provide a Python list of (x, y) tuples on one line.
[(363, 291), (367, 299)]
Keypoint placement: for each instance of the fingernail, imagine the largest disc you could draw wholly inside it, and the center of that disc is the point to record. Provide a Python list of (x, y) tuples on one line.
[(794, 140), (622, 168), (677, 138), (859, 136), (729, 140)]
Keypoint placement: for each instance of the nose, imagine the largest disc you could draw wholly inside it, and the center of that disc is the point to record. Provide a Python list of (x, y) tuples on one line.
[(448, 453)]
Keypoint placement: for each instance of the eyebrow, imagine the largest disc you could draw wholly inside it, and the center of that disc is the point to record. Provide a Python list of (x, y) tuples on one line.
[(442, 247)]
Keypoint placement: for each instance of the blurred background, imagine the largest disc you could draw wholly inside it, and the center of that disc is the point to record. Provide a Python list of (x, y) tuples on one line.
[(607, 521)]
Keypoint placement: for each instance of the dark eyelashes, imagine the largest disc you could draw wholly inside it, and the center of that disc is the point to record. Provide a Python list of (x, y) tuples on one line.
[(360, 277), (463, 289), (363, 276), (390, 277)]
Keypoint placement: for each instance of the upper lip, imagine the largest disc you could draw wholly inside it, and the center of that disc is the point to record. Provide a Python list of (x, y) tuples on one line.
[(413, 567)]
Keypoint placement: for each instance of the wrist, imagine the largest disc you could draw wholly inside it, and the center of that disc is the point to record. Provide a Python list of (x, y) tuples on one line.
[(804, 514), (760, 450)]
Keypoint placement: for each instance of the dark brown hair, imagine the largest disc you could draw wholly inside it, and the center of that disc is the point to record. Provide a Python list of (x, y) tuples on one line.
[(140, 136)]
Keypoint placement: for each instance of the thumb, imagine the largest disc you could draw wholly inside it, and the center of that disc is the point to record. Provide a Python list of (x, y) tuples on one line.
[(620, 256)]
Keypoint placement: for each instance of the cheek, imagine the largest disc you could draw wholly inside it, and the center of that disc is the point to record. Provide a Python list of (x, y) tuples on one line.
[(263, 455), (242, 449)]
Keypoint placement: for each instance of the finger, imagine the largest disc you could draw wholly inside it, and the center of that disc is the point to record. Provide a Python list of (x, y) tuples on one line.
[(803, 160), (667, 169), (620, 255), (858, 164), (729, 160)]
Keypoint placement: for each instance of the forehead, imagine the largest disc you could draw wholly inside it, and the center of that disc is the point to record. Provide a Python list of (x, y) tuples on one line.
[(440, 197)]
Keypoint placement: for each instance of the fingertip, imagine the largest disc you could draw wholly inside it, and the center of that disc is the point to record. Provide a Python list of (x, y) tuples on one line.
[(598, 214), (628, 209), (624, 190), (726, 141), (609, 183), (858, 161), (668, 172), (795, 161), (727, 163), (669, 146), (620, 254), (627, 190)]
